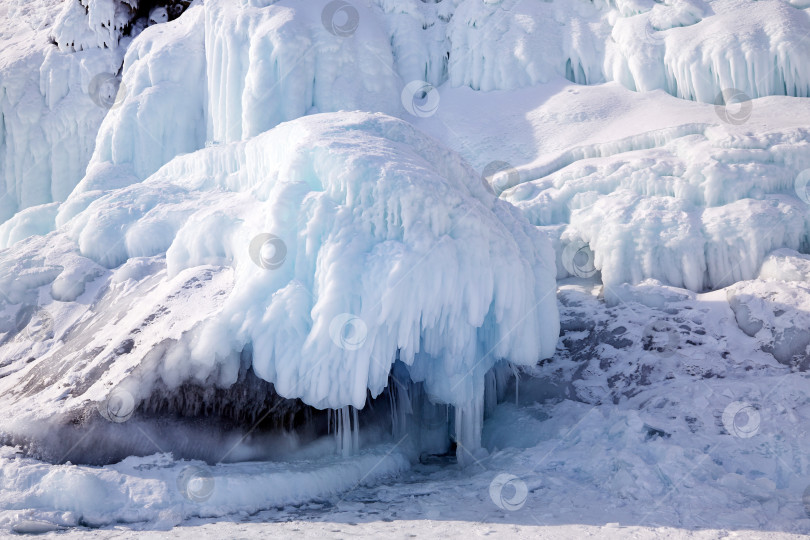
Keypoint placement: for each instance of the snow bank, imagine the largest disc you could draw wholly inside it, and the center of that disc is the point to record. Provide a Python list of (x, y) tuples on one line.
[(776, 314), (785, 265), (164, 492)]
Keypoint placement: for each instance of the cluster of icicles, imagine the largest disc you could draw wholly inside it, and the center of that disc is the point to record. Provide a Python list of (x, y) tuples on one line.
[(421, 425)]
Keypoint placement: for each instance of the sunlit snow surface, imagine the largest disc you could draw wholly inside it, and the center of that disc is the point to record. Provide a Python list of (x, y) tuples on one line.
[(188, 214)]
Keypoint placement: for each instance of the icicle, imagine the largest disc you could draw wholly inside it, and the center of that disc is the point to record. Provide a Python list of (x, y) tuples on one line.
[(469, 421), (490, 392), (355, 431), (347, 430)]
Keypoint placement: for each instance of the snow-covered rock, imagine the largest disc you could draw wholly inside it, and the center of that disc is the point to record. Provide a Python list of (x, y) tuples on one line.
[(324, 250)]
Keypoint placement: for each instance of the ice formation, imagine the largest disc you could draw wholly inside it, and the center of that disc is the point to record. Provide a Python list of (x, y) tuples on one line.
[(678, 199), (690, 49), (394, 253), (193, 224)]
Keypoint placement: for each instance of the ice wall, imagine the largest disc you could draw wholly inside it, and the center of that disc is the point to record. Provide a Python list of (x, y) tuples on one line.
[(268, 62), (48, 115), (268, 65), (697, 50)]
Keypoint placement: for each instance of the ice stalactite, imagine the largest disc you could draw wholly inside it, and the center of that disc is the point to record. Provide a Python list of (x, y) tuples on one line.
[(345, 425), (433, 428), (468, 423), (416, 419)]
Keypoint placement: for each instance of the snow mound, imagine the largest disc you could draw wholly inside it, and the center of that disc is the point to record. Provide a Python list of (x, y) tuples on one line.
[(786, 265), (324, 250), (777, 314)]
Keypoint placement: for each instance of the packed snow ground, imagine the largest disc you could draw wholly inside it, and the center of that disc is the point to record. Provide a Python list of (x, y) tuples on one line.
[(671, 211)]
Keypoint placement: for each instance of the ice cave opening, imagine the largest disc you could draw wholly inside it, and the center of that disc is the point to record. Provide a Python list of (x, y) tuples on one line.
[(249, 421)]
